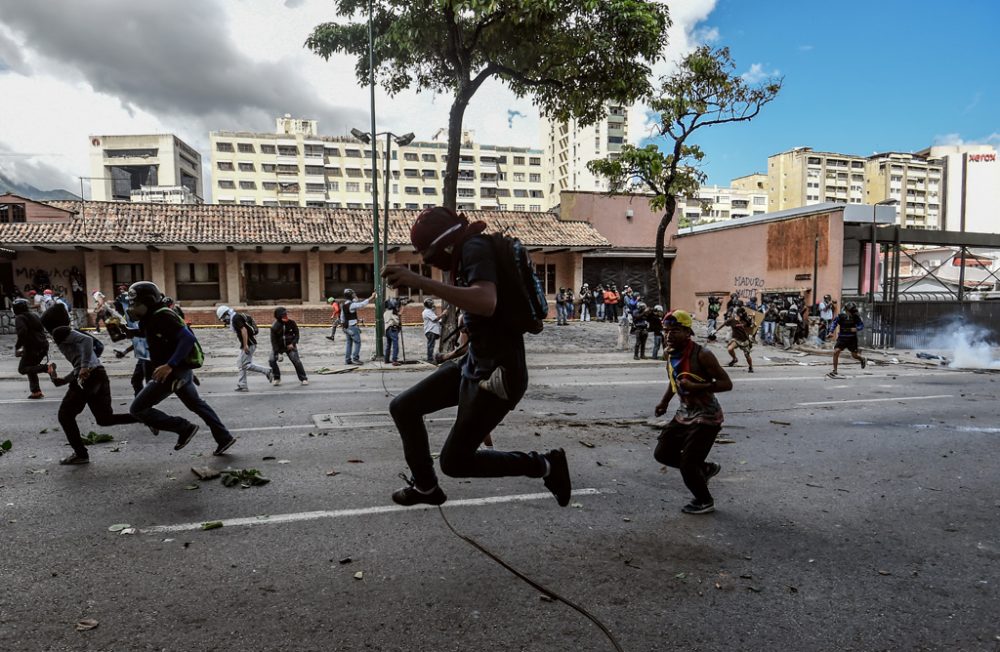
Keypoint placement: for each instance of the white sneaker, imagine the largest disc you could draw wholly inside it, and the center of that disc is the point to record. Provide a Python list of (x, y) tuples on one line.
[(276, 382), (305, 382)]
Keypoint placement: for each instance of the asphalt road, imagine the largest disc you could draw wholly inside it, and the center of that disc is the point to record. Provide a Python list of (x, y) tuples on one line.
[(855, 514)]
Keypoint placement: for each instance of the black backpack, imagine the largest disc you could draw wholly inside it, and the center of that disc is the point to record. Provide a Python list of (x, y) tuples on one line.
[(251, 324), (519, 291)]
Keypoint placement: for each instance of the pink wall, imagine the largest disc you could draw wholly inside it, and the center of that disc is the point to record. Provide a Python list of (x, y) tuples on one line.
[(757, 258), (608, 216)]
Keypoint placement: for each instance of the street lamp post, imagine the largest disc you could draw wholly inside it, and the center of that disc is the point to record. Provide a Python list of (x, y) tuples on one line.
[(401, 141), (874, 255)]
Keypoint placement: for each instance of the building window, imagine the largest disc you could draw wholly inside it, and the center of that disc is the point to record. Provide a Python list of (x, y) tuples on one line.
[(222, 146), (225, 166), (518, 160), (197, 281), (535, 178), (246, 167), (268, 282), (352, 153), (410, 156), (127, 274), (337, 277), (228, 184), (535, 208), (315, 187), (520, 192), (429, 158), (430, 191), (246, 148), (518, 207), (760, 201), (333, 185), (288, 150), (270, 185), (412, 207), (10, 213), (248, 185), (268, 167), (368, 187), (314, 169), (546, 273), (352, 186), (537, 160), (267, 149), (519, 177), (354, 173)]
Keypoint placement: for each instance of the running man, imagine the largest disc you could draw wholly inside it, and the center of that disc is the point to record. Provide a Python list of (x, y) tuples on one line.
[(742, 338), (849, 323)]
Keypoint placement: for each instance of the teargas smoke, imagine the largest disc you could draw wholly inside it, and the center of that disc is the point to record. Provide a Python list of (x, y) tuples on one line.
[(972, 348)]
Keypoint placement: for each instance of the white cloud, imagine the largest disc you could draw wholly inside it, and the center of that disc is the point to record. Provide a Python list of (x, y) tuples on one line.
[(758, 73), (250, 65), (806, 48), (955, 138)]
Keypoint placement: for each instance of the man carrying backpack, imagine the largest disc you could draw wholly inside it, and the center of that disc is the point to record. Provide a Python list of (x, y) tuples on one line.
[(246, 334), (88, 382), (349, 322), (493, 376), (31, 346), (174, 353)]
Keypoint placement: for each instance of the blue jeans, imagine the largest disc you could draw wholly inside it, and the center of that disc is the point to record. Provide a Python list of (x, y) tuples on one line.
[(353, 334), (143, 409), (432, 339), (657, 343), (560, 313), (391, 345)]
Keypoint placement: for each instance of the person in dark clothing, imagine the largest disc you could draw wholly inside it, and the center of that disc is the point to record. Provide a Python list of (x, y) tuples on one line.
[(849, 322), (656, 329), (742, 339), (171, 345), (714, 308), (285, 341), (88, 382), (486, 387), (246, 336), (695, 376), (32, 347), (640, 328)]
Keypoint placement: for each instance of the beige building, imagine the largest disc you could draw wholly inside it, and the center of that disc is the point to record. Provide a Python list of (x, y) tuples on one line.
[(569, 147), (145, 165), (802, 177), (745, 196), (915, 182), (295, 166)]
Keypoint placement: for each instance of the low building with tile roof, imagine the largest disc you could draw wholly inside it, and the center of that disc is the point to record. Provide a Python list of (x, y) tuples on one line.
[(241, 255)]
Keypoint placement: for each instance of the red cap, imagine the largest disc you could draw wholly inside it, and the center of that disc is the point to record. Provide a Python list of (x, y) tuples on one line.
[(434, 225)]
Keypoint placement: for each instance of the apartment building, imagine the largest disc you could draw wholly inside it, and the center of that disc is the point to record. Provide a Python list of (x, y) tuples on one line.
[(122, 164), (295, 166), (742, 198), (914, 181), (970, 187), (802, 177), (568, 148)]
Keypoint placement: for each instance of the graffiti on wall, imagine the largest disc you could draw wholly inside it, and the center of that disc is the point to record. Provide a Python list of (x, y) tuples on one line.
[(747, 286), (60, 279)]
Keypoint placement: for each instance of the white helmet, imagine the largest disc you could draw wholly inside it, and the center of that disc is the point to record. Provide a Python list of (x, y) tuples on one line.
[(221, 312)]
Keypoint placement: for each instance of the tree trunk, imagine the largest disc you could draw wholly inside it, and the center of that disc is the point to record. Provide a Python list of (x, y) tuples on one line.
[(660, 268), (455, 118)]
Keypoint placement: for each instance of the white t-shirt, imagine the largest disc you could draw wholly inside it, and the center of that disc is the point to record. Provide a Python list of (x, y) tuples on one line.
[(431, 325)]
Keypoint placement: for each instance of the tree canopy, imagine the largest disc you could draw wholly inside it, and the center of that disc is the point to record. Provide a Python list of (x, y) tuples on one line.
[(570, 56), (704, 91)]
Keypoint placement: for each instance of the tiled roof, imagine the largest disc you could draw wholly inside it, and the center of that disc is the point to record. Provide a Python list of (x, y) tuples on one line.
[(120, 223)]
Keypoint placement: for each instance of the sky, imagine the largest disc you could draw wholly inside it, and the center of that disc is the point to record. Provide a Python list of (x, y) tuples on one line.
[(859, 77)]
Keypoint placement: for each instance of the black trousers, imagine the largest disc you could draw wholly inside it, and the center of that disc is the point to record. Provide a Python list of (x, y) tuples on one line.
[(141, 375), (640, 342), (30, 366), (95, 393), (685, 447), (479, 412)]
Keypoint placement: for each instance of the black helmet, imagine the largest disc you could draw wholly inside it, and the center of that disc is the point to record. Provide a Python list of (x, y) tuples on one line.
[(144, 297), (428, 303), (349, 293), (55, 317), (20, 306), (851, 307), (391, 304), (280, 312), (168, 301)]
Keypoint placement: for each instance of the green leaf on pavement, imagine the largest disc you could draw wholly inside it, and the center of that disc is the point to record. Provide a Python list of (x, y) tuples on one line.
[(211, 525)]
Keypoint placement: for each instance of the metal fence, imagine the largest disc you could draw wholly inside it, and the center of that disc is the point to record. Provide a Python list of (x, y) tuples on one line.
[(916, 324)]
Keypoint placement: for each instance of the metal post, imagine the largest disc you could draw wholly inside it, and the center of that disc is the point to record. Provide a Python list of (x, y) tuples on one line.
[(379, 323), (895, 285), (961, 276), (872, 259), (385, 205), (815, 270)]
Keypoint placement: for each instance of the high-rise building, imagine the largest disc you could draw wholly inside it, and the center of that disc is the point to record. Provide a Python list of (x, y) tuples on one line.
[(569, 147), (800, 177), (122, 164), (971, 187), (297, 167), (912, 180)]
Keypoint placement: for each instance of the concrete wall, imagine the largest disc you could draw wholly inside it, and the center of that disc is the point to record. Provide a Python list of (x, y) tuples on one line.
[(757, 258), (609, 216)]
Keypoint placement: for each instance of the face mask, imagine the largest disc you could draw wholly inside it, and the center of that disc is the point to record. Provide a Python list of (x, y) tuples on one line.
[(136, 311)]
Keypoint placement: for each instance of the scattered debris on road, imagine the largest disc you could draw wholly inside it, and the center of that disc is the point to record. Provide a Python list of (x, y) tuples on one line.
[(86, 624)]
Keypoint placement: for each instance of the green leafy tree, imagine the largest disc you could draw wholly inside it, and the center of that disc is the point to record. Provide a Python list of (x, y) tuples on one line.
[(569, 56), (704, 91)]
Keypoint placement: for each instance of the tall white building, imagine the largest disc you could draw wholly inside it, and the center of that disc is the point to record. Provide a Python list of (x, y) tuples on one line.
[(122, 164), (569, 147), (297, 167), (744, 197), (912, 180), (971, 187)]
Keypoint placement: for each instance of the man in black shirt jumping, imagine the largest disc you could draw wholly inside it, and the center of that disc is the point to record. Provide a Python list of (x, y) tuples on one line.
[(486, 387)]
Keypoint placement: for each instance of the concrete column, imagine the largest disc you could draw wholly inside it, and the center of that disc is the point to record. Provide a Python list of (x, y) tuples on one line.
[(157, 270), (314, 278), (92, 273), (232, 278), (577, 271)]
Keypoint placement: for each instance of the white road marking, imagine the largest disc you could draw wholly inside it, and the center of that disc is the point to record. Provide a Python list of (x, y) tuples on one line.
[(877, 400), (739, 380), (352, 426), (275, 519)]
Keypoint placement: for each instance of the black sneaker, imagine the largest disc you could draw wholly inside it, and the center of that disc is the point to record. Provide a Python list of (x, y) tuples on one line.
[(864, 362), (698, 508), (749, 370), (731, 363), (155, 431), (186, 436), (712, 471), (557, 481), (75, 459), (223, 447), (410, 495)]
